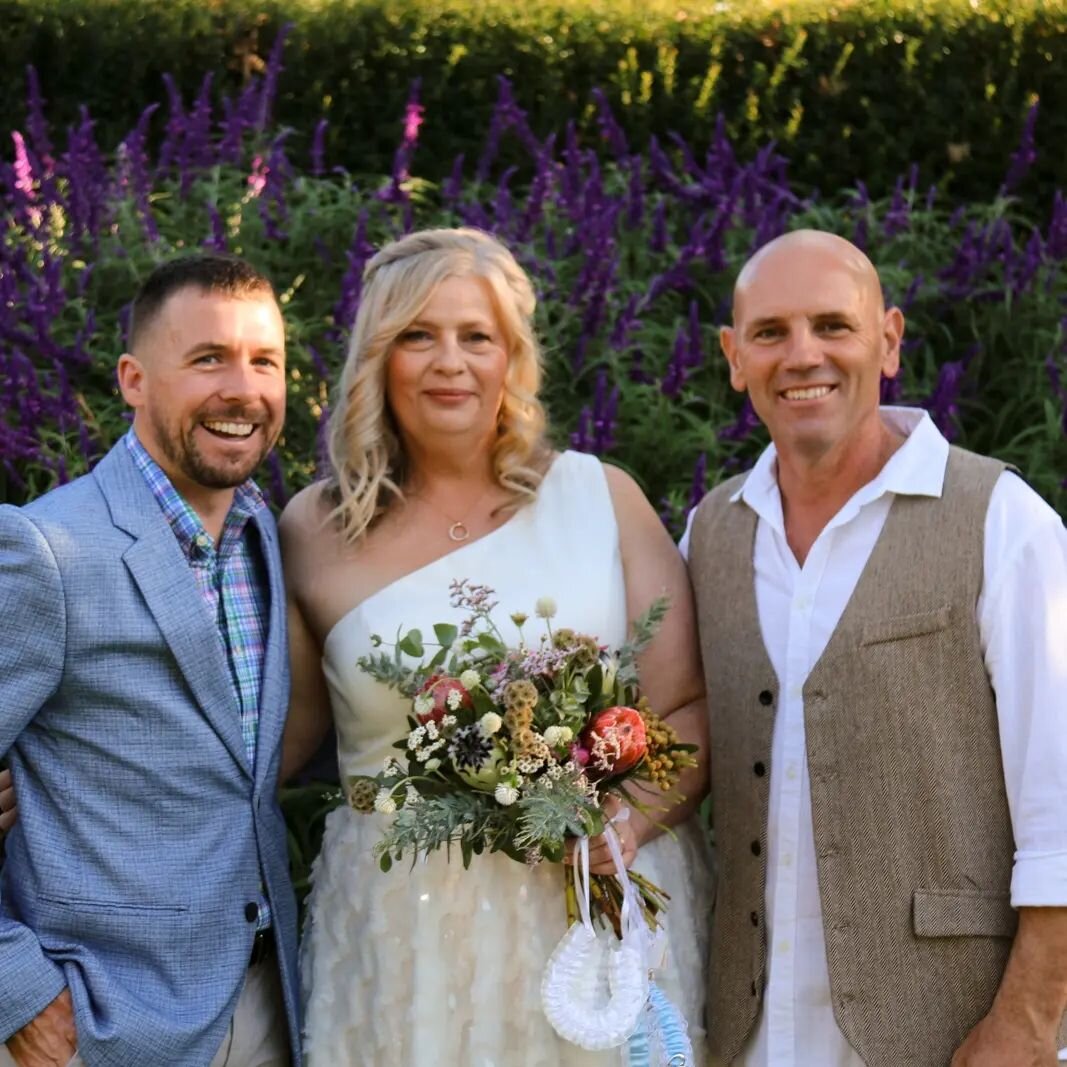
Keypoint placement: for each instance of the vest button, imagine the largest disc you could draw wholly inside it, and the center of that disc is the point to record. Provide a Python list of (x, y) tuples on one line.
[(759, 769), (766, 698), (252, 912), (756, 848), (753, 988), (755, 918)]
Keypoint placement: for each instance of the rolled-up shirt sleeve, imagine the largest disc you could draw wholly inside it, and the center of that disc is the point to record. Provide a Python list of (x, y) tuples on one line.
[(1022, 618)]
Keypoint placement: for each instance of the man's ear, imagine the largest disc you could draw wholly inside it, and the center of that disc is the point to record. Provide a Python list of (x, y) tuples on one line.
[(131, 378), (892, 335), (728, 343)]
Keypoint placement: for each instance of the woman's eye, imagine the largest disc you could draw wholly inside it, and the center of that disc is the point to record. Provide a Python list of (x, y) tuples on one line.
[(413, 337)]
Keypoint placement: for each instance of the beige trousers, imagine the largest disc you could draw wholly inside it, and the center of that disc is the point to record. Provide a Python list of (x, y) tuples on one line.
[(258, 1035)]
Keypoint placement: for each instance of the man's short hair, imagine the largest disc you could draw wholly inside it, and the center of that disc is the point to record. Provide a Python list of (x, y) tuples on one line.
[(210, 272)]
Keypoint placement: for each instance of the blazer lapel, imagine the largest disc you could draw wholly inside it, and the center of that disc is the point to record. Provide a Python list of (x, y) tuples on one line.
[(274, 689), (162, 573)]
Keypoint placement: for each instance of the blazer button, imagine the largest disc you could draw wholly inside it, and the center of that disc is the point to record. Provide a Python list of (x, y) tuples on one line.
[(252, 912), (759, 768), (766, 698), (756, 848), (755, 918), (753, 988)]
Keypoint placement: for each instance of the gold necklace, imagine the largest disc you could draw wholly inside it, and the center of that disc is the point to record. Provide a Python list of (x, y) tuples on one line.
[(458, 530)]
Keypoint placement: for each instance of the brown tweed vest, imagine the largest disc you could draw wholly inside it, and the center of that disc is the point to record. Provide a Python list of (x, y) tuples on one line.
[(913, 838)]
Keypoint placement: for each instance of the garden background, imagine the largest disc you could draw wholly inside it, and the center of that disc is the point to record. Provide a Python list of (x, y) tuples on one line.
[(632, 154)]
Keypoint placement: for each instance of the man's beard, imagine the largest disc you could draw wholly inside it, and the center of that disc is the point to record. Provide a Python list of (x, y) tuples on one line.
[(183, 453)]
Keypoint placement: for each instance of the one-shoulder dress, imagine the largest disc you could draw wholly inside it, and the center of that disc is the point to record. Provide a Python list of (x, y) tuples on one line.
[(434, 965)]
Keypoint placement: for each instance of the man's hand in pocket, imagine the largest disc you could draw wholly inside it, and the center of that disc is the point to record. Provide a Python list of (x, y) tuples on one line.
[(50, 1039)]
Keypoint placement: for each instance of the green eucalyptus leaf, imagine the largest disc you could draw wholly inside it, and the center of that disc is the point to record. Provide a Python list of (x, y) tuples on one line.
[(411, 644)]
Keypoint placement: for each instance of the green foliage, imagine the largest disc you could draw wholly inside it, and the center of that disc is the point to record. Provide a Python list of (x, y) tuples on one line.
[(849, 90)]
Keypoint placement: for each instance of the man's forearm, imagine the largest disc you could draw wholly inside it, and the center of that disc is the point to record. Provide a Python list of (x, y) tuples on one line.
[(1034, 987)]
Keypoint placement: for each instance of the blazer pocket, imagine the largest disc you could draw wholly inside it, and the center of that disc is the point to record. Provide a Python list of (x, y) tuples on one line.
[(903, 626), (962, 913), (121, 907)]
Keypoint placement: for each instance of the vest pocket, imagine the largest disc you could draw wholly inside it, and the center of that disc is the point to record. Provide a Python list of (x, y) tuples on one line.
[(902, 626), (962, 913)]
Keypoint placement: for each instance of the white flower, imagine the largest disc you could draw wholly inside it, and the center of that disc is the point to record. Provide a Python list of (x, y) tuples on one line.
[(469, 679), (558, 735), (454, 699), (449, 720), (505, 794), (545, 607), (431, 730), (423, 704), (384, 802), (432, 765), (490, 723)]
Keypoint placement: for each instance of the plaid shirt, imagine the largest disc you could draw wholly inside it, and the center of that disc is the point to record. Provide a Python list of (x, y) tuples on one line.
[(232, 582)]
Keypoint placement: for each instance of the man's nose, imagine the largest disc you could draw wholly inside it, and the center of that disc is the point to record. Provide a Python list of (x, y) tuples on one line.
[(803, 349), (239, 382)]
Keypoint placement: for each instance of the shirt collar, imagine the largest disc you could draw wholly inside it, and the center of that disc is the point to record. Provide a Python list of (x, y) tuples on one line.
[(183, 520), (917, 468)]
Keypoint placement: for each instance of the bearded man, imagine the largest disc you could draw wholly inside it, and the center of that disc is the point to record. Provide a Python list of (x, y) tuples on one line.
[(146, 913)]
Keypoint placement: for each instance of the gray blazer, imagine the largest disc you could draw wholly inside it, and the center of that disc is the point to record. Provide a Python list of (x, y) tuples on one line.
[(143, 836)]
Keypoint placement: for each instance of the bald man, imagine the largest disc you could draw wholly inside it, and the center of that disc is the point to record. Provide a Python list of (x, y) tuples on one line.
[(883, 621), (146, 912)]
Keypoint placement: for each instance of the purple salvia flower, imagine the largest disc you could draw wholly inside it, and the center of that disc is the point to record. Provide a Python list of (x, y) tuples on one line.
[(743, 426), (942, 403), (658, 240), (610, 130), (503, 207), (216, 240), (637, 372), (276, 480), (175, 130), (890, 391), (134, 171), (269, 86), (452, 190), (677, 369), (36, 123), (898, 217), (413, 120), (581, 437), (1056, 238), (1024, 155), (318, 147), (624, 324), (635, 194)]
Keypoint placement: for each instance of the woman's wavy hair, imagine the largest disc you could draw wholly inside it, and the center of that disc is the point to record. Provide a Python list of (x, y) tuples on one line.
[(369, 468)]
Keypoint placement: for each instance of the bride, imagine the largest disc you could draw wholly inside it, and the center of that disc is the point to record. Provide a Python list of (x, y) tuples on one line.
[(441, 471)]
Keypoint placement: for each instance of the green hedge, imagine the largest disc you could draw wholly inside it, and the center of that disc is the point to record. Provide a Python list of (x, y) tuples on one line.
[(850, 91)]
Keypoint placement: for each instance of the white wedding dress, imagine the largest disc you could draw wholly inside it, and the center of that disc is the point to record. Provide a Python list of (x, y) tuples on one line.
[(437, 966)]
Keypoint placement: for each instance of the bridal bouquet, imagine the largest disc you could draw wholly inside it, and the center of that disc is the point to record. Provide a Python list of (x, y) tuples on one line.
[(514, 746)]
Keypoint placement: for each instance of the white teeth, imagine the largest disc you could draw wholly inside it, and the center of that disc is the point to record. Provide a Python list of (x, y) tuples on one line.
[(234, 429), (812, 393)]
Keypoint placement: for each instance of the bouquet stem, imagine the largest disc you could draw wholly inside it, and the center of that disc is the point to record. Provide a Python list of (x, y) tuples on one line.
[(605, 899)]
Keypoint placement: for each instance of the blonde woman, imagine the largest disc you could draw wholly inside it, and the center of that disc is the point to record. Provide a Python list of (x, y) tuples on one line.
[(441, 471)]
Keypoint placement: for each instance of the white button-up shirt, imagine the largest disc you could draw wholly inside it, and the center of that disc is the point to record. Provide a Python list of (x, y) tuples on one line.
[(1022, 619)]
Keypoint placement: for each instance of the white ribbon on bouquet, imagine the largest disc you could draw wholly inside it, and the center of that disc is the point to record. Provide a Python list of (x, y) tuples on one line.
[(635, 1013)]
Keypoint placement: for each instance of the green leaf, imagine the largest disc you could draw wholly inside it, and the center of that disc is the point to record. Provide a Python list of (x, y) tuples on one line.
[(445, 633), (386, 863), (411, 644)]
